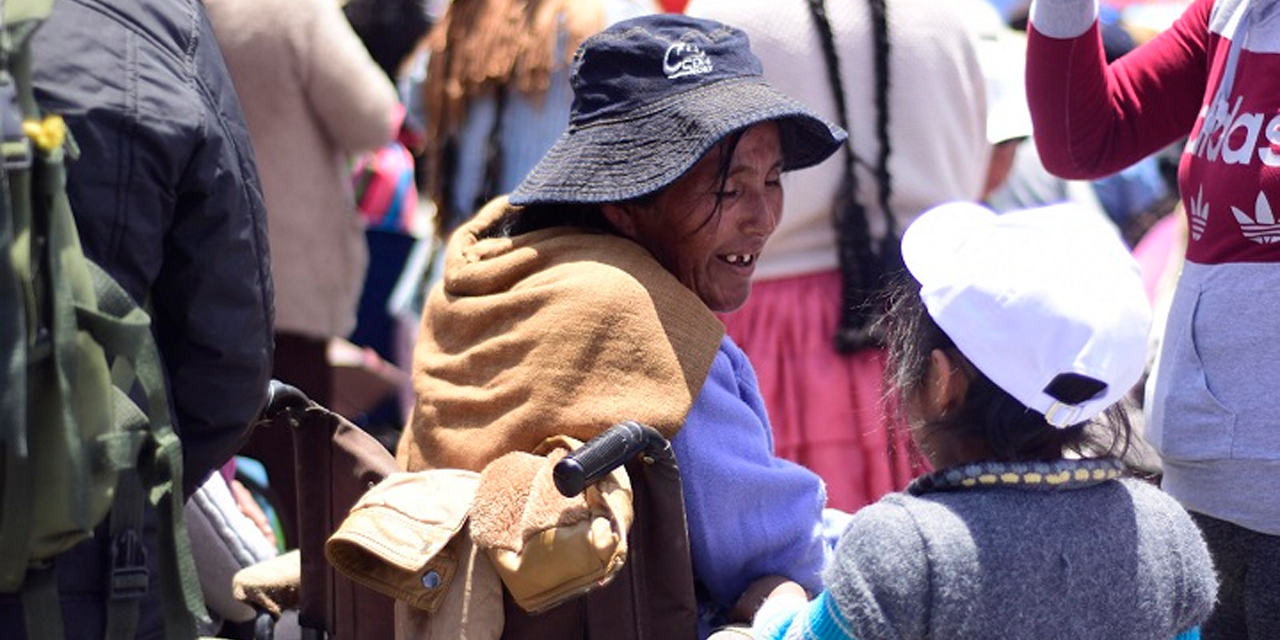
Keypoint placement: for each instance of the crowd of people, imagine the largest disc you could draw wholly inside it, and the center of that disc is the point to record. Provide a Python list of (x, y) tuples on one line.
[(868, 266)]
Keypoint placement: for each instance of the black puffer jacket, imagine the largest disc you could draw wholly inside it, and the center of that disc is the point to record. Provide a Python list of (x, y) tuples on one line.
[(167, 200)]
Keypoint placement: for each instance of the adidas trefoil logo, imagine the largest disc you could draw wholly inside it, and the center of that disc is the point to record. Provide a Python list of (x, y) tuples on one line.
[(1262, 227), (1199, 214)]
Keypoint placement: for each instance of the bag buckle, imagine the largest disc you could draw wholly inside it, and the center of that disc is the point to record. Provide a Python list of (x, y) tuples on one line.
[(16, 145), (128, 579)]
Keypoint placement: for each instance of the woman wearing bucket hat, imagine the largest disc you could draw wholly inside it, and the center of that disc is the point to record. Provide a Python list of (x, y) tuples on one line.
[(588, 296), (1009, 350)]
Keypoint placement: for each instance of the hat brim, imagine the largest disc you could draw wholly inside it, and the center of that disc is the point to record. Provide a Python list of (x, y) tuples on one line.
[(620, 159)]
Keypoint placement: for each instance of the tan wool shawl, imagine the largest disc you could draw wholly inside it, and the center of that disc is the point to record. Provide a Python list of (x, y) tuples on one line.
[(560, 331)]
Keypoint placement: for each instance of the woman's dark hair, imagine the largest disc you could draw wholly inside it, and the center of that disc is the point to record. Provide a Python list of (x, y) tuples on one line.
[(1012, 432), (589, 216), (545, 216), (865, 270)]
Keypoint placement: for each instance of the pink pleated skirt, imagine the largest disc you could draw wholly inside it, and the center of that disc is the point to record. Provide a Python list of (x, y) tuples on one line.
[(829, 411)]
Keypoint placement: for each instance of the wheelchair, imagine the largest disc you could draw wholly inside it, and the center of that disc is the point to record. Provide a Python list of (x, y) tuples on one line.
[(651, 597)]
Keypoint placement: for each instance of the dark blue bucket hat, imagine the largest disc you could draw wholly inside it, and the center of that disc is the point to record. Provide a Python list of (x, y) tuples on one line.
[(654, 94)]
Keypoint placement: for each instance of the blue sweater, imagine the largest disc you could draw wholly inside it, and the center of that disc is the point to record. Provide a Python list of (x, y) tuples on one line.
[(750, 513)]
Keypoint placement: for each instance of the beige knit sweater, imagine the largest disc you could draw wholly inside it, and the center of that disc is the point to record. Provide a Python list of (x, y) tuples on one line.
[(312, 96), (555, 332)]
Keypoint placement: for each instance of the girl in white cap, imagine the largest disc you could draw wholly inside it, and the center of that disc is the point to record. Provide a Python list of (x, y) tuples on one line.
[(1009, 351)]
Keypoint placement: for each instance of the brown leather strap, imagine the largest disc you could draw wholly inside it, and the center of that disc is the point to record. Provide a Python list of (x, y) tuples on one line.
[(336, 463)]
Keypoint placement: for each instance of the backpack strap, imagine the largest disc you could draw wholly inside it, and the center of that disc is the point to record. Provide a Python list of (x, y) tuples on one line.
[(151, 457), (143, 448), (18, 20)]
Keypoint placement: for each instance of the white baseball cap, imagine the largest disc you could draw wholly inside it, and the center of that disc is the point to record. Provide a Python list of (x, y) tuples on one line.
[(1030, 295)]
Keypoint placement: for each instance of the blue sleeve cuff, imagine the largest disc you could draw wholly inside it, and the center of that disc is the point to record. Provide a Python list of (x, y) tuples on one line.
[(790, 617), (776, 616)]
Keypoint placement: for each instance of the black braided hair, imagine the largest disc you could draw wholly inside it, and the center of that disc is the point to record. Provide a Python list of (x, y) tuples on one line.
[(863, 269), (890, 245)]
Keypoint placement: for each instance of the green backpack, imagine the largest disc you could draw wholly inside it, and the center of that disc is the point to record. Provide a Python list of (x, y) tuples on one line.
[(74, 350)]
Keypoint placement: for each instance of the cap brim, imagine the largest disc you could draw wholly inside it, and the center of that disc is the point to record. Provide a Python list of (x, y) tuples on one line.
[(621, 159), (930, 243)]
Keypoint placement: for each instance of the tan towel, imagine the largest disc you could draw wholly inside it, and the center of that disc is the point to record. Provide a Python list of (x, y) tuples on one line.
[(548, 548), (271, 585), (555, 332)]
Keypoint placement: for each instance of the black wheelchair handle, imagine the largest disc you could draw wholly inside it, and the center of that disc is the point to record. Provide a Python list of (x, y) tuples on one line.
[(604, 453), (283, 397)]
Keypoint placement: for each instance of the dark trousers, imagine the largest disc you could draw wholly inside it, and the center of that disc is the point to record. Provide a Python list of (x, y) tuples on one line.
[(1248, 566), (82, 590)]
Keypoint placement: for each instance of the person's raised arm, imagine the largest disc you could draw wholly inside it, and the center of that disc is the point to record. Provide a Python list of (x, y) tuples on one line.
[(1091, 119)]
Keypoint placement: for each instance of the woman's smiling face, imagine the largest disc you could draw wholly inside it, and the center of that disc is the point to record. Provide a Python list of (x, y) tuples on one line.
[(710, 225)]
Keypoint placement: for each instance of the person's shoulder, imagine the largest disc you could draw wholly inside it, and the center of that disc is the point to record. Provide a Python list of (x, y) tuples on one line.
[(894, 521), (170, 26), (1160, 515), (595, 258), (1150, 501), (965, 19), (1174, 550), (622, 288), (879, 577), (136, 60), (611, 270), (1148, 495)]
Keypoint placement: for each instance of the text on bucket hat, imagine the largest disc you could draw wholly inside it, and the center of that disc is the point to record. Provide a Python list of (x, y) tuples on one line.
[(652, 95), (1032, 297)]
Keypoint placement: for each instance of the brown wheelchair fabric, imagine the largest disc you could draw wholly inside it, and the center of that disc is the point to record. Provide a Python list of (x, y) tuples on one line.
[(337, 462)]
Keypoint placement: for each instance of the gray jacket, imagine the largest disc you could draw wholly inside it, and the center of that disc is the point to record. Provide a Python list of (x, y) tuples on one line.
[(1119, 560)]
